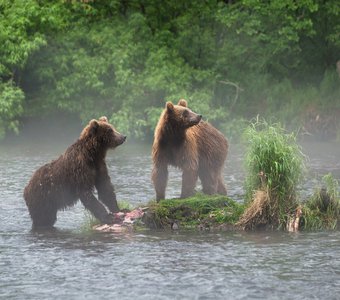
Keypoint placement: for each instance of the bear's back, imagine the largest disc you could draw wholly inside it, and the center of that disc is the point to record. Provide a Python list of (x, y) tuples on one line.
[(211, 143)]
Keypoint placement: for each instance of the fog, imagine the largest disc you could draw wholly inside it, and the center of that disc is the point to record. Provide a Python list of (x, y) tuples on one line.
[(48, 137), (56, 131)]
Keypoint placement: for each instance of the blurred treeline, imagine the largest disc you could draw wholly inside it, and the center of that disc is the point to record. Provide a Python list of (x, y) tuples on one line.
[(231, 60)]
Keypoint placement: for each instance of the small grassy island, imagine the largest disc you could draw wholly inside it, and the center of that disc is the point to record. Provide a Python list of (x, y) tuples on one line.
[(204, 212)]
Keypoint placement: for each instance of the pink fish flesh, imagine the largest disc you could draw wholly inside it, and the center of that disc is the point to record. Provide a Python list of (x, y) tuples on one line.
[(122, 221)]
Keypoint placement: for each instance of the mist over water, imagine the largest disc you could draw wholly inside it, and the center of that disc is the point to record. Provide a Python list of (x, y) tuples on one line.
[(72, 263)]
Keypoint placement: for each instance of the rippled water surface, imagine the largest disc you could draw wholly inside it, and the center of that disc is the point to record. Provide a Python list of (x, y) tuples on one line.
[(73, 263)]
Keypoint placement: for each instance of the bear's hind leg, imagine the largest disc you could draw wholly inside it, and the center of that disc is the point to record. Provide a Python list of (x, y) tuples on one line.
[(221, 188), (209, 182), (44, 219)]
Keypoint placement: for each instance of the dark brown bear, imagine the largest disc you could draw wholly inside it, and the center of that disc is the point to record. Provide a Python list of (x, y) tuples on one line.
[(74, 175), (184, 141)]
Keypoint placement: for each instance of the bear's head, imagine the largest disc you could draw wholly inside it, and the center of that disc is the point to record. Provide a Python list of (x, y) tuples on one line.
[(181, 115), (103, 133)]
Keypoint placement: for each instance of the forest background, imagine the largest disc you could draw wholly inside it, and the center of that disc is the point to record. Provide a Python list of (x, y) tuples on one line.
[(232, 60)]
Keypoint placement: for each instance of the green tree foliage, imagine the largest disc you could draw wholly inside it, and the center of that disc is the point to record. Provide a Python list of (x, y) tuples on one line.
[(11, 99), (124, 59), (23, 25)]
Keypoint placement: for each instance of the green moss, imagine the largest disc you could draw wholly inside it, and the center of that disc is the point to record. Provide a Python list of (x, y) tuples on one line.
[(194, 211)]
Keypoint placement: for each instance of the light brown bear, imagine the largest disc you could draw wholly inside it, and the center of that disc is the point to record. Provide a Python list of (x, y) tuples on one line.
[(196, 147), (74, 175)]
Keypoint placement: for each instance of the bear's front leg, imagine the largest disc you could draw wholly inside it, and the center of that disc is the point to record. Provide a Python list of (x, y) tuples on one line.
[(96, 208), (105, 189), (189, 179), (160, 179)]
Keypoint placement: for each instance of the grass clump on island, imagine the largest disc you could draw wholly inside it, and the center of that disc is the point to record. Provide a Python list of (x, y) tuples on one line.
[(275, 164), (200, 211)]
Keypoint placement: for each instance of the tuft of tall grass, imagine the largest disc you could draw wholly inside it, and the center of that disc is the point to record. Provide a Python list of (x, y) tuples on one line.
[(275, 164), (88, 223)]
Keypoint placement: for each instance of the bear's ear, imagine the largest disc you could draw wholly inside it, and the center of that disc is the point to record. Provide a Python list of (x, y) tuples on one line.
[(183, 103), (169, 106), (103, 119), (93, 127)]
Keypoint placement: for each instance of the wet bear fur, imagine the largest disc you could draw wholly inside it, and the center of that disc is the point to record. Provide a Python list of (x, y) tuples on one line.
[(196, 147), (74, 175)]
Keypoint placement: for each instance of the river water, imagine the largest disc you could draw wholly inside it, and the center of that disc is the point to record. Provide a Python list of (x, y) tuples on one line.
[(73, 263)]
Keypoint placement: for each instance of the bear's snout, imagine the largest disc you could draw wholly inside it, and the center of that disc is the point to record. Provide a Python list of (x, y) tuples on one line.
[(195, 120), (122, 139)]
